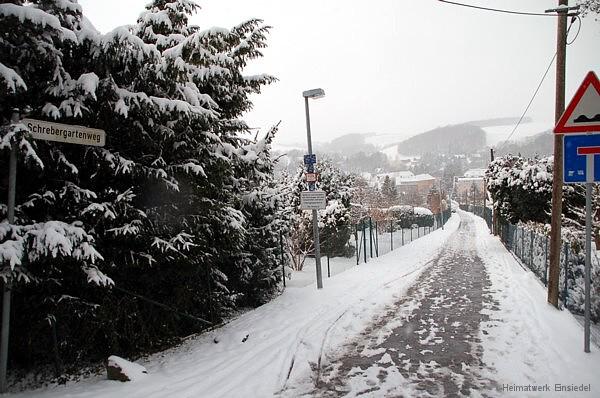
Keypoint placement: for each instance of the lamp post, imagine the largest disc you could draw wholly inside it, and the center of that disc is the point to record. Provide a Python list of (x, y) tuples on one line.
[(314, 94)]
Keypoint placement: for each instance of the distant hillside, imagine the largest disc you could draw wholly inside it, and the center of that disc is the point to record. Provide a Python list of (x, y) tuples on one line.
[(348, 144), (541, 144), (455, 139)]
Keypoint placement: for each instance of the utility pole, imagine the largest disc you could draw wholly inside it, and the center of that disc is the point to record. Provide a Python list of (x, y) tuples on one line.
[(557, 175)]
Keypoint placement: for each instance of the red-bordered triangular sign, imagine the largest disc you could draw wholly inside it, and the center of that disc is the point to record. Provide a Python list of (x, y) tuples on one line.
[(583, 113)]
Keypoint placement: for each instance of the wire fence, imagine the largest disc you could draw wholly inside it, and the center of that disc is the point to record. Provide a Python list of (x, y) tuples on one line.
[(375, 238), (532, 248)]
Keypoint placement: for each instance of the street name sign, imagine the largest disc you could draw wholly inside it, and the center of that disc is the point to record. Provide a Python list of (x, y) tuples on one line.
[(70, 134), (313, 200), (576, 148), (583, 113)]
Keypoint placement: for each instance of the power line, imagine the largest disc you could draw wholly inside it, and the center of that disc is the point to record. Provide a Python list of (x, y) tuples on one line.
[(530, 102), (541, 82), (499, 10)]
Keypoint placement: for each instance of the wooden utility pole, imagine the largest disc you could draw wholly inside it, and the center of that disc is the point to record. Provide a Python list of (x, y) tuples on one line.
[(557, 184), (494, 211)]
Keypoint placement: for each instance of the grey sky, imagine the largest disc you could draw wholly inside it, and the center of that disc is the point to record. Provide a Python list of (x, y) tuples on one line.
[(393, 66)]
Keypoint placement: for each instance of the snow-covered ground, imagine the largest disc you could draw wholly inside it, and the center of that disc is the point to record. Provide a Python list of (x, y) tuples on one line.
[(529, 342), (268, 349)]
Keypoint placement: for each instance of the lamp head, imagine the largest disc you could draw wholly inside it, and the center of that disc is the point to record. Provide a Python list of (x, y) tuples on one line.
[(314, 93)]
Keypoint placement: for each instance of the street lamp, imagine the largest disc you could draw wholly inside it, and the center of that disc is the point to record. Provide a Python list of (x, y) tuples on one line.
[(314, 94)]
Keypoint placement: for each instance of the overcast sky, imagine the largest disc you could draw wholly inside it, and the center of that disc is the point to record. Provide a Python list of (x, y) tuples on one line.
[(393, 66)]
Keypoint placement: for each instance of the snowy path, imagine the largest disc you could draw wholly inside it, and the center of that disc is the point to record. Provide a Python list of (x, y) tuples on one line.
[(427, 342), (508, 336)]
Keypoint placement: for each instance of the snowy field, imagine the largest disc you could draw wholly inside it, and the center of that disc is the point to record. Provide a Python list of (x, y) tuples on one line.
[(267, 350)]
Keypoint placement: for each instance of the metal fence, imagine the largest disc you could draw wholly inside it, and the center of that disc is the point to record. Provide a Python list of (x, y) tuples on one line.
[(532, 248), (374, 238)]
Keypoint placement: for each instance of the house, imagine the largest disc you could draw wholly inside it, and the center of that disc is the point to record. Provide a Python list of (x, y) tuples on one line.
[(471, 187), (395, 176), (419, 184)]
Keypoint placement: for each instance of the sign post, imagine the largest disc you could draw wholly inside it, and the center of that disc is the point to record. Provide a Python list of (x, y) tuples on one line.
[(47, 131), (581, 165), (309, 160)]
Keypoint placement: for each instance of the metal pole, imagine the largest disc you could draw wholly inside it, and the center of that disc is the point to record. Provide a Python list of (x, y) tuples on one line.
[(402, 230), (314, 212), (441, 212), (6, 298), (371, 237), (557, 175), (531, 264), (365, 239), (588, 249), (356, 241), (282, 259), (391, 235), (376, 240), (328, 269), (565, 293)]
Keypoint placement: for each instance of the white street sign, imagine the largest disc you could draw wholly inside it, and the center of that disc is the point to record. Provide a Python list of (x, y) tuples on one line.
[(313, 200), (70, 134)]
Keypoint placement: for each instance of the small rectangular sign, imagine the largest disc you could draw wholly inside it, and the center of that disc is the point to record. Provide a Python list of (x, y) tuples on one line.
[(67, 133), (313, 200), (310, 159), (311, 177), (576, 147)]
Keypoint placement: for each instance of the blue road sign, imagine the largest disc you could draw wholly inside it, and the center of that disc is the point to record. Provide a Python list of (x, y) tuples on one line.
[(310, 168), (574, 164), (310, 159)]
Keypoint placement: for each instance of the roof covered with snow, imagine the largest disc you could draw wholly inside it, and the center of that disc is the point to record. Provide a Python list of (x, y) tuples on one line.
[(475, 173)]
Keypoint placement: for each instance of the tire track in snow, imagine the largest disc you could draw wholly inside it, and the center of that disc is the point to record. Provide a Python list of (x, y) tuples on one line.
[(330, 328)]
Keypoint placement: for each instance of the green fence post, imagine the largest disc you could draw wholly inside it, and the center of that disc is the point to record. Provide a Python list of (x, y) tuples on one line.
[(391, 235), (371, 237), (531, 263), (365, 239), (356, 241)]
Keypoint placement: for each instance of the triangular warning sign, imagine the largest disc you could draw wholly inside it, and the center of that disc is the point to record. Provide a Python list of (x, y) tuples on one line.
[(583, 113)]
